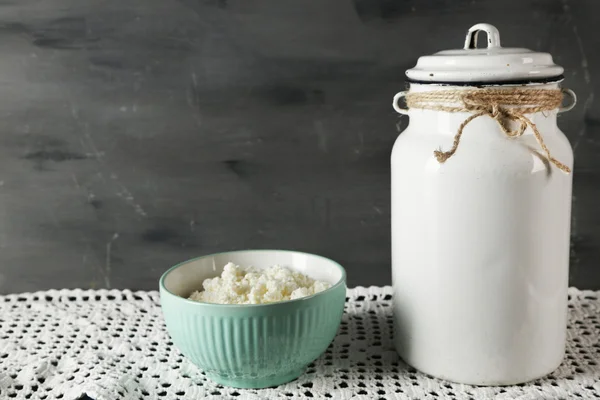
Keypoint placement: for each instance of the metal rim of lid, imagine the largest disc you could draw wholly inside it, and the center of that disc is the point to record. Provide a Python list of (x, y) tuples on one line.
[(516, 82), (492, 65)]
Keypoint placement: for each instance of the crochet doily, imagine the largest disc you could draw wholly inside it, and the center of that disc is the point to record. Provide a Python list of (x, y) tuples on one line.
[(113, 345)]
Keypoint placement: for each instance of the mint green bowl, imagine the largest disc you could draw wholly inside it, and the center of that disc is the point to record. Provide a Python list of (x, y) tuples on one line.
[(253, 346)]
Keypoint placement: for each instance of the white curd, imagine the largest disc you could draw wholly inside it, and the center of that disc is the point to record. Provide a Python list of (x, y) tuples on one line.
[(239, 285)]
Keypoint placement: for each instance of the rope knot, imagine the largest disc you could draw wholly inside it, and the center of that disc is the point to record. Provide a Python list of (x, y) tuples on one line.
[(496, 112), (502, 105)]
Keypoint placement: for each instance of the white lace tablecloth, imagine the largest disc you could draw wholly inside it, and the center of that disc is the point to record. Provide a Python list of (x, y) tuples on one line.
[(113, 345)]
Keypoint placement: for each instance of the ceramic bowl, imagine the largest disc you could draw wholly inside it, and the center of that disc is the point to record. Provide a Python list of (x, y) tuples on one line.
[(253, 345)]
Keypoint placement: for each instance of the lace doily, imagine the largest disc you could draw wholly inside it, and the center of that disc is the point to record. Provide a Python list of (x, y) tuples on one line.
[(113, 345)]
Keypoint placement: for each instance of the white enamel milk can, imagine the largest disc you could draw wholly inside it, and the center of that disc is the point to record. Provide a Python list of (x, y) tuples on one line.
[(481, 208)]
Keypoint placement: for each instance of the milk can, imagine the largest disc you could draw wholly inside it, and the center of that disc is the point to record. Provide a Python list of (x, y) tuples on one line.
[(481, 204)]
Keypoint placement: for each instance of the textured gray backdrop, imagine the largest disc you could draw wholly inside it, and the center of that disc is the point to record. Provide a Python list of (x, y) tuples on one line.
[(138, 133)]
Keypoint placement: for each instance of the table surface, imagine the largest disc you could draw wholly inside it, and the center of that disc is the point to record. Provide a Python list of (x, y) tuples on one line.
[(113, 345)]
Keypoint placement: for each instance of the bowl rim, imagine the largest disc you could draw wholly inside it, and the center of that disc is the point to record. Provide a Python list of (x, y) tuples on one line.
[(163, 288)]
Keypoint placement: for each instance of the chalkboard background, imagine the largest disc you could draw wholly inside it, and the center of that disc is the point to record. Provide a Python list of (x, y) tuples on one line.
[(138, 133)]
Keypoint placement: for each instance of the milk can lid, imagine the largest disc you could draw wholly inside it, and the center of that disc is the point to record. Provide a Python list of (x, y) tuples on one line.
[(485, 65)]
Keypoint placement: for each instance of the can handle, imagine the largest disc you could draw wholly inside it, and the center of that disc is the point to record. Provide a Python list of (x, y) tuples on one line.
[(399, 109), (573, 96)]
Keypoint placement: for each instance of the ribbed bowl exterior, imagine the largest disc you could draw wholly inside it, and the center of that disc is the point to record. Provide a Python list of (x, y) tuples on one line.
[(254, 345)]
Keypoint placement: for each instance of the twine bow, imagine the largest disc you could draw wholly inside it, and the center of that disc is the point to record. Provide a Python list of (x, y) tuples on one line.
[(503, 105)]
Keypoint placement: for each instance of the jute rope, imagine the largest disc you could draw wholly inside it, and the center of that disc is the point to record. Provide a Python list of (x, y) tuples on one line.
[(503, 105)]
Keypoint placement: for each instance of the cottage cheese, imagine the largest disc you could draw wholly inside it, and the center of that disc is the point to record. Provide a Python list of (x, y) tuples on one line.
[(239, 285)]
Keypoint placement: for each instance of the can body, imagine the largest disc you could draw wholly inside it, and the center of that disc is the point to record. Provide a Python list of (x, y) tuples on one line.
[(480, 249)]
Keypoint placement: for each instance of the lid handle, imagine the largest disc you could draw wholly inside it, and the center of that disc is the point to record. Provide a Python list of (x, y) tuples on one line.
[(493, 36)]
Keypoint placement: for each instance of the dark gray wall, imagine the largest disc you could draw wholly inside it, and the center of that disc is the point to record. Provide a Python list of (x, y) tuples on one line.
[(138, 133)]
